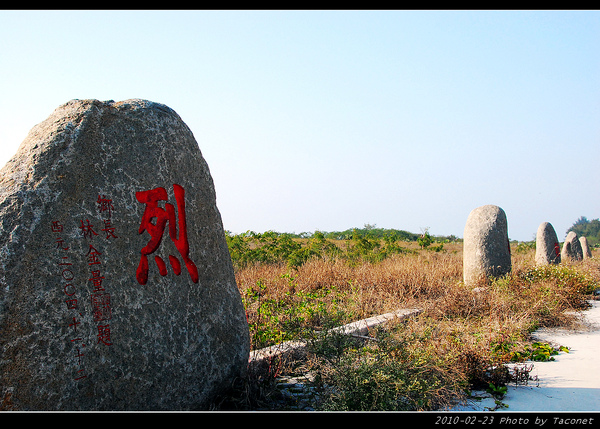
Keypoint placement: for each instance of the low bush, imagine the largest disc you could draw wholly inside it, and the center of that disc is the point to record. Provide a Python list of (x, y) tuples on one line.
[(462, 340)]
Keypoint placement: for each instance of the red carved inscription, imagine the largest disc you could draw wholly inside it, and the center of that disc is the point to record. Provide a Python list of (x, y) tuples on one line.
[(156, 230), (69, 289)]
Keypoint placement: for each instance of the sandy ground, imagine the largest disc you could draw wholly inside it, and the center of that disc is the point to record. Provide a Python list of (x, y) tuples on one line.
[(569, 383)]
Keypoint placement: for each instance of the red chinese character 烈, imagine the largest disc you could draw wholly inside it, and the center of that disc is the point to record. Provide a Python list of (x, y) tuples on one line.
[(156, 231)]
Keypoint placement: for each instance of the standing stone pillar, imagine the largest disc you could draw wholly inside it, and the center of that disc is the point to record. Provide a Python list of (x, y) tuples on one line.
[(486, 248), (571, 248), (117, 291), (585, 248), (547, 248)]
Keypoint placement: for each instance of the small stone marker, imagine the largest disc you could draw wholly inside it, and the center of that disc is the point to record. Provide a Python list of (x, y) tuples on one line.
[(585, 248), (547, 248), (117, 290), (571, 248), (486, 249)]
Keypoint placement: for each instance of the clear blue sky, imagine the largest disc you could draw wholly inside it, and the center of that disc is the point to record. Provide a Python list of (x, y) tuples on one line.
[(328, 120)]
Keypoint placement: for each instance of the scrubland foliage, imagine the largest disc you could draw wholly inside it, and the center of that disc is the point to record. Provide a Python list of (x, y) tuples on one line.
[(463, 338), (587, 228)]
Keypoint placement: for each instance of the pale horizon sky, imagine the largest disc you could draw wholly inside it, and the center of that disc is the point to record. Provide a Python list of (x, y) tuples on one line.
[(332, 119)]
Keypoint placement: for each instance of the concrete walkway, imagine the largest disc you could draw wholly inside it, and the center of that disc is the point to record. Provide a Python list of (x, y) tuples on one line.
[(569, 383), (356, 329)]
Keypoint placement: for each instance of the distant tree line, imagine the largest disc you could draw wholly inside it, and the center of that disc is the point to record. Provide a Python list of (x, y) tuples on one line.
[(590, 229), (371, 231), (358, 244)]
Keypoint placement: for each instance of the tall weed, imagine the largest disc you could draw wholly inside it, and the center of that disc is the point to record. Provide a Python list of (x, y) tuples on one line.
[(463, 338)]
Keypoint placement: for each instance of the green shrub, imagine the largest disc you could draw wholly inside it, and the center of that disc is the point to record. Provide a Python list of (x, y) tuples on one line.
[(296, 315), (275, 248), (537, 352), (385, 375), (563, 275)]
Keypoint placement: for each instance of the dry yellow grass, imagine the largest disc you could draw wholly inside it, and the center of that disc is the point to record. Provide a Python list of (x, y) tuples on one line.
[(460, 333), (397, 282)]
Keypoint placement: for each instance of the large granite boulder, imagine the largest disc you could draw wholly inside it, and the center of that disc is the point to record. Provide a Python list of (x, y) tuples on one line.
[(571, 248), (585, 248), (486, 248), (547, 249), (117, 291)]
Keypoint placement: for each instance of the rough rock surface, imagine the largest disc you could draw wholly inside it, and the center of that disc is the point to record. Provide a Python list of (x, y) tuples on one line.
[(117, 291), (486, 249), (571, 248), (547, 248), (585, 248)]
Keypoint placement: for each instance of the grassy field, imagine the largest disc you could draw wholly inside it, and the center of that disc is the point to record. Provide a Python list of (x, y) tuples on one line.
[(462, 340)]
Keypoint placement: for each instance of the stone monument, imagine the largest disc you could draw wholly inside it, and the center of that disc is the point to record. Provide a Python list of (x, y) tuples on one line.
[(117, 290), (571, 248), (486, 248), (547, 248), (585, 248)]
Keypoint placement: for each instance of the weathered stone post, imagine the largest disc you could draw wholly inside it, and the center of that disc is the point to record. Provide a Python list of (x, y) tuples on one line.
[(486, 249), (547, 248), (117, 290), (571, 248), (585, 248)]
